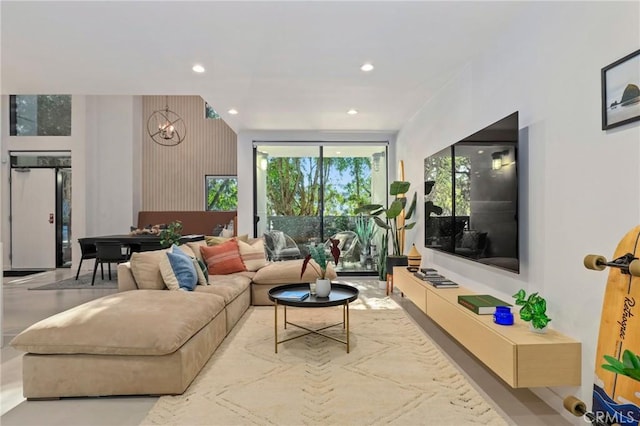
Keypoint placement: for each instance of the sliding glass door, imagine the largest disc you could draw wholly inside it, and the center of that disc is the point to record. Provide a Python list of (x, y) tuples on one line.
[(306, 194)]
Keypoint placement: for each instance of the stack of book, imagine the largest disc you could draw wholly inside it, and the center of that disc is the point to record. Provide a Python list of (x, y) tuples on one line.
[(481, 304), (432, 277)]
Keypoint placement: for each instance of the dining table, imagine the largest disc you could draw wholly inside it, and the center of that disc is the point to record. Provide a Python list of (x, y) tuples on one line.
[(140, 242)]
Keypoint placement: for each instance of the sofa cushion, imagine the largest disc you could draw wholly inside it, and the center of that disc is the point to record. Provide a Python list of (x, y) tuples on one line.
[(178, 270), (145, 267), (195, 248), (223, 258), (288, 272), (228, 286), (143, 322), (252, 254)]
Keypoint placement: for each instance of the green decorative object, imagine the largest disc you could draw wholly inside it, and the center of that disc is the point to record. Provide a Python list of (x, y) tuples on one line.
[(533, 309), (171, 234)]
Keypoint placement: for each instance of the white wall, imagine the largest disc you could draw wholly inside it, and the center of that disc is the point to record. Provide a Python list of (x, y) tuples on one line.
[(578, 190), (105, 157), (245, 160)]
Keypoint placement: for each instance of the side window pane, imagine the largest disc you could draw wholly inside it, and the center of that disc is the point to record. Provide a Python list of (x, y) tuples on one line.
[(40, 115), (222, 193)]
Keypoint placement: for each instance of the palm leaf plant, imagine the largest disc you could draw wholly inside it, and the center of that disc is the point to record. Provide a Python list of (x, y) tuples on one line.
[(318, 254), (629, 366), (397, 189)]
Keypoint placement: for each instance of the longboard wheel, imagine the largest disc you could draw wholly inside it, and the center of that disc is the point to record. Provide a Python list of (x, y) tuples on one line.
[(574, 405), (634, 268), (595, 262)]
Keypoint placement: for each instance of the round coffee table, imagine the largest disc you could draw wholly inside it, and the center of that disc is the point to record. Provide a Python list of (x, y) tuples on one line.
[(341, 295)]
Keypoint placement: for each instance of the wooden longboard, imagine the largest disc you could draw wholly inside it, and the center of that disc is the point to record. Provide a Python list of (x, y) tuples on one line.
[(616, 387)]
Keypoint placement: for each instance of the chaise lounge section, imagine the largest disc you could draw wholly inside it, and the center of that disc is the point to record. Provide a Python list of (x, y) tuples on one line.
[(148, 341)]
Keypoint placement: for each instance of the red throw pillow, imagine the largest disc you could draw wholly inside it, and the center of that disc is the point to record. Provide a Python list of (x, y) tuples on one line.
[(223, 259)]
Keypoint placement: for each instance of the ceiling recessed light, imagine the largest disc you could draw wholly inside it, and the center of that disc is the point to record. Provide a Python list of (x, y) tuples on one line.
[(233, 111), (367, 67), (198, 68), (480, 151), (352, 112)]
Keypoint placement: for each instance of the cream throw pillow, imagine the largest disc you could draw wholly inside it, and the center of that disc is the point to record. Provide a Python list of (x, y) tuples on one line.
[(253, 254), (145, 267)]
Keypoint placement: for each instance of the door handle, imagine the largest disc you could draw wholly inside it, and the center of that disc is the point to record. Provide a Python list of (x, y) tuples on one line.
[(50, 217)]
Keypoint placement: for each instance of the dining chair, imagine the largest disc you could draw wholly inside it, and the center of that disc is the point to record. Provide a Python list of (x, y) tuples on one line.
[(108, 252), (87, 250)]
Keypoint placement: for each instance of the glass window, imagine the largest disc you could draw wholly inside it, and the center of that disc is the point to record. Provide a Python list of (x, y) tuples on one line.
[(209, 112), (40, 115), (222, 193)]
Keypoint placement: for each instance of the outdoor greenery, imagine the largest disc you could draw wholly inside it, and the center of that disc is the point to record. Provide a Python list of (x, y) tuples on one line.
[(533, 308), (40, 115), (438, 169), (394, 211), (629, 366), (293, 185), (222, 193), (171, 234), (365, 228)]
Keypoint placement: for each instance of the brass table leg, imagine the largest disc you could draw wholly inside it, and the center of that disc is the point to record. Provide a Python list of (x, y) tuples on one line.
[(347, 324)]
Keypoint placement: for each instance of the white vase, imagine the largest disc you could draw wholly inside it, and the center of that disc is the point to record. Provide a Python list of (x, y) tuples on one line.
[(382, 285), (323, 288)]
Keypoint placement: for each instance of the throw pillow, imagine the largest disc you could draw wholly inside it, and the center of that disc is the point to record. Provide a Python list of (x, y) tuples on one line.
[(223, 259), (201, 269), (195, 248), (252, 254), (178, 270), (470, 240), (214, 241), (146, 270)]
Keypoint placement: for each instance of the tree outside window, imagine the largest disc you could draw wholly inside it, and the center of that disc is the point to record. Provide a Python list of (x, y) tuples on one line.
[(40, 115), (221, 193)]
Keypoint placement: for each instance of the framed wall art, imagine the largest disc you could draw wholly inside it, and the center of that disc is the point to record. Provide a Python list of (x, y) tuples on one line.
[(621, 91)]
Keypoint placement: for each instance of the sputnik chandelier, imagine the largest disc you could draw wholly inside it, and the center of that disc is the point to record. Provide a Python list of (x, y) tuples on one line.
[(165, 127)]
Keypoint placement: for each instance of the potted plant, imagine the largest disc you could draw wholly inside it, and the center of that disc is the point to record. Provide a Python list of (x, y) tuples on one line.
[(171, 234), (317, 253), (382, 263), (393, 223), (533, 309), (364, 230)]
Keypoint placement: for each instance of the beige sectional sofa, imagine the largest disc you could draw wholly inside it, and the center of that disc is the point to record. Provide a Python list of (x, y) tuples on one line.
[(148, 341)]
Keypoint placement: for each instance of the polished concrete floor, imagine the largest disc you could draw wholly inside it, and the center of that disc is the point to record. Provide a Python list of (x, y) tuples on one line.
[(23, 308)]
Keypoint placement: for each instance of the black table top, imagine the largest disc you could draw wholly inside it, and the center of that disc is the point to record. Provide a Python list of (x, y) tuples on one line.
[(340, 294), (133, 239)]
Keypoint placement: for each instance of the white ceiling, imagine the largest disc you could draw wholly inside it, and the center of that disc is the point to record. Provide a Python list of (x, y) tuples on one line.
[(283, 65)]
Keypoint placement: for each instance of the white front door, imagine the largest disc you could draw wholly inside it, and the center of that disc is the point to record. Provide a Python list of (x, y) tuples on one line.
[(33, 228)]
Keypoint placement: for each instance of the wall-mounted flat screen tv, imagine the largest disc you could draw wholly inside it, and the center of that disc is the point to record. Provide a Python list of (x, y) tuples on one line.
[(471, 197)]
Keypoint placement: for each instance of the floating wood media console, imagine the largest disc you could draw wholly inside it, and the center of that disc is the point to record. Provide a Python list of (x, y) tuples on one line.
[(517, 355)]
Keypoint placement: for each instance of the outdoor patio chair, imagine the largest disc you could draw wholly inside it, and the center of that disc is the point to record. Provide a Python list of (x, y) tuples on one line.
[(280, 246)]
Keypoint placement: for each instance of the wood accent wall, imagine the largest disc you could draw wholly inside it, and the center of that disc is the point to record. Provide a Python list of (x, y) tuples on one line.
[(173, 176)]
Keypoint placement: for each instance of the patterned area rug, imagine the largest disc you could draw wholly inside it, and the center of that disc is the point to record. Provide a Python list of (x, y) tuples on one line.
[(83, 282), (393, 375)]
